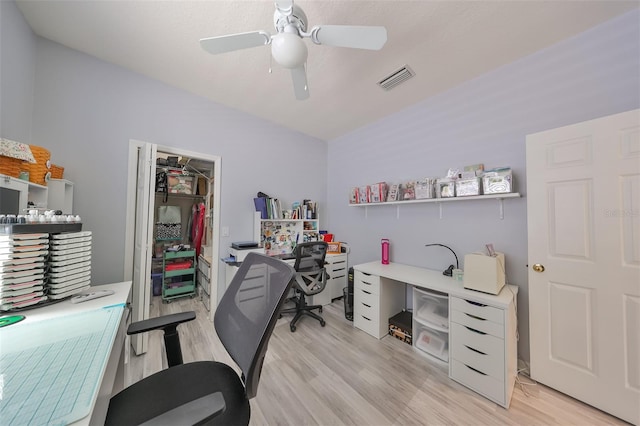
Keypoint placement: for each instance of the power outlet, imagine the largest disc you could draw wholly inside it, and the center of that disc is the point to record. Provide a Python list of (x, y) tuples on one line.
[(225, 231)]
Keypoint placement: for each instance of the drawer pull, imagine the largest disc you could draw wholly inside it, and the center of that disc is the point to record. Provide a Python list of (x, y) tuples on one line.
[(477, 371), (364, 282), (338, 269), (368, 319), (475, 303), (368, 306), (475, 331), (475, 317), (364, 273), (475, 350), (366, 292)]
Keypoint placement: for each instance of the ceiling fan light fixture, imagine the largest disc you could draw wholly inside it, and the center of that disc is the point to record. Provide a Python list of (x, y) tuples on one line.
[(289, 50)]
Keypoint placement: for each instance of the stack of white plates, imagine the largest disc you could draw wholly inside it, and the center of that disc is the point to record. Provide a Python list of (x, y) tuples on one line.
[(22, 269), (70, 264)]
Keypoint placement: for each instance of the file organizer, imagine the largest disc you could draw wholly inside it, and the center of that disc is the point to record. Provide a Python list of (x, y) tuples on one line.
[(35, 356)]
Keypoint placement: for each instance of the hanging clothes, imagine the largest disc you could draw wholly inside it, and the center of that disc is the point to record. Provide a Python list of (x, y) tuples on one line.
[(197, 228)]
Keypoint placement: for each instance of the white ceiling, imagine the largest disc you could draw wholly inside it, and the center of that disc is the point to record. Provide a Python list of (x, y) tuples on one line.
[(444, 42)]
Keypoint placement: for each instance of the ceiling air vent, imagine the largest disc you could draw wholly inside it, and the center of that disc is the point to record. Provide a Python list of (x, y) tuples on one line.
[(396, 77)]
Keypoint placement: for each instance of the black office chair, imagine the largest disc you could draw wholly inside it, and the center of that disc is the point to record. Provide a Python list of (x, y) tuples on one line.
[(209, 392), (311, 278)]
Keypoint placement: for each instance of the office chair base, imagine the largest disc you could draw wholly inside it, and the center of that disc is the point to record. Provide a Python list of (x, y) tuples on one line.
[(301, 313)]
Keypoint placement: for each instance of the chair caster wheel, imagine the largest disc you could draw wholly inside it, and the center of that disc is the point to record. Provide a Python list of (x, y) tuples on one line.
[(320, 310), (279, 316), (293, 328), (322, 323)]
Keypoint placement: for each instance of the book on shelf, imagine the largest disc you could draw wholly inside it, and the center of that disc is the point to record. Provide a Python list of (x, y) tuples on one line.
[(271, 208)]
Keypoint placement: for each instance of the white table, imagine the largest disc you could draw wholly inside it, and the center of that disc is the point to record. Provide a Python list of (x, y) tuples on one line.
[(111, 377)]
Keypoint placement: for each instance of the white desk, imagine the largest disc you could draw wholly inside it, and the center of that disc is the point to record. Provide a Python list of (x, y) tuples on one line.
[(477, 336), (111, 377)]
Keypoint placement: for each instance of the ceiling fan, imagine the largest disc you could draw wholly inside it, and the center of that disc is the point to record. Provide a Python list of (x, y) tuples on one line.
[(287, 47)]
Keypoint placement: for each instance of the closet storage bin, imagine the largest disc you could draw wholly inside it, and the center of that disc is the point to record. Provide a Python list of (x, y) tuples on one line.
[(431, 323), (168, 231), (432, 308), (432, 341), (180, 184)]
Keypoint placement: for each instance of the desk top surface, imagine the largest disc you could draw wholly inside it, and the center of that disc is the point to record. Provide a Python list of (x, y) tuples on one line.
[(434, 280), (83, 333)]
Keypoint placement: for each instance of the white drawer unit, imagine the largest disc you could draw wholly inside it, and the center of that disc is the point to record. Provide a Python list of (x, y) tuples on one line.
[(474, 332), (203, 276), (336, 267), (375, 301), (483, 348)]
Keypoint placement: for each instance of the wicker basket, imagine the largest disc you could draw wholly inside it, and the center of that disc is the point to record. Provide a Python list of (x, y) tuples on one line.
[(57, 171), (11, 166), (38, 171)]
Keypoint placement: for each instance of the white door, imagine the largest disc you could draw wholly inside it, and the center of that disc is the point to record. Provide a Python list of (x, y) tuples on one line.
[(141, 297), (583, 210)]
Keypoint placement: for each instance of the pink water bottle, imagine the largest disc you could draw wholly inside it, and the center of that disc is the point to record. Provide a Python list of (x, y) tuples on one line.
[(385, 251)]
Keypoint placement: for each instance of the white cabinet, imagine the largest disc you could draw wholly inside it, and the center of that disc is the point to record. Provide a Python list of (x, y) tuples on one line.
[(336, 267), (60, 195), (375, 301), (483, 348)]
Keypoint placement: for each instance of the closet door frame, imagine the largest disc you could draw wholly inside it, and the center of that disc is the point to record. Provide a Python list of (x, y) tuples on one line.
[(134, 147)]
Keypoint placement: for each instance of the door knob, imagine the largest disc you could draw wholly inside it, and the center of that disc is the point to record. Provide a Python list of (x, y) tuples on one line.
[(538, 267)]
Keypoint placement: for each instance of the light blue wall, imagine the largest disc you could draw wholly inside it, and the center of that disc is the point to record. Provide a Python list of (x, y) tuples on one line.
[(86, 112), (485, 120), (17, 71)]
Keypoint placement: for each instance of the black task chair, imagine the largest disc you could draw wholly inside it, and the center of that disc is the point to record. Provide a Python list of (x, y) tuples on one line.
[(310, 279), (209, 392)]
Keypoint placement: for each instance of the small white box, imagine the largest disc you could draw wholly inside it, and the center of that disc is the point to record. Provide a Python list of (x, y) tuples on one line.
[(484, 273)]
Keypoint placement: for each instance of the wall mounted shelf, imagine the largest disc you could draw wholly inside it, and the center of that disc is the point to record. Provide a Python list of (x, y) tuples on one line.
[(439, 201)]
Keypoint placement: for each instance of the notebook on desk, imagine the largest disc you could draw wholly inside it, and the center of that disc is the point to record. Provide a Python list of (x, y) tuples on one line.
[(52, 369)]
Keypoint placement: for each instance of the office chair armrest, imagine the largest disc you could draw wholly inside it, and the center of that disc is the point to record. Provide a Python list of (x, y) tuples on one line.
[(191, 413), (162, 322), (168, 324)]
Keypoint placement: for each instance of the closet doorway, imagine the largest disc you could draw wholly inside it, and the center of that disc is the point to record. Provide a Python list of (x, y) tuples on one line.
[(189, 199)]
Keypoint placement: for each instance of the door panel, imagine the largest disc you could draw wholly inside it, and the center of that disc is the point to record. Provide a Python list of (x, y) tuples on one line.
[(583, 214), (142, 243)]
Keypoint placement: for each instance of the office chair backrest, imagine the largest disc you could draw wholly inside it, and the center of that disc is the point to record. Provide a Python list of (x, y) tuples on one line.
[(248, 311), (310, 256)]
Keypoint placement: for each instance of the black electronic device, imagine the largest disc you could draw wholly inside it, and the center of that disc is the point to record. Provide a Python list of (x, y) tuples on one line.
[(242, 245)]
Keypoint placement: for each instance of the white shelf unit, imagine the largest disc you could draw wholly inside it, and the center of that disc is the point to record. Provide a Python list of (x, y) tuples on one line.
[(293, 231), (57, 195), (430, 326), (60, 195), (439, 201), (38, 195)]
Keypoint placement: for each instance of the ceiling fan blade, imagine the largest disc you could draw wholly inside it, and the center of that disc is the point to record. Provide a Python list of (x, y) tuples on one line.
[(231, 42), (284, 6), (372, 38), (299, 77)]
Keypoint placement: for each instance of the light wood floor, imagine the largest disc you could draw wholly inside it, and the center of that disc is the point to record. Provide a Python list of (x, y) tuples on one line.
[(338, 375)]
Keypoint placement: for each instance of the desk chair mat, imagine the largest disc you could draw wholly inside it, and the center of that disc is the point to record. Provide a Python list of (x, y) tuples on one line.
[(179, 385)]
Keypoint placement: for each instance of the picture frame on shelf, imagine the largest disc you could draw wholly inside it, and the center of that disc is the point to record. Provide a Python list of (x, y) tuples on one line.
[(333, 247)]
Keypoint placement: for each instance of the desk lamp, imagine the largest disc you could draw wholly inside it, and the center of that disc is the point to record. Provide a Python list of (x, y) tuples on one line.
[(449, 271)]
